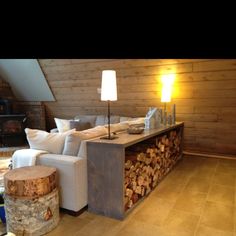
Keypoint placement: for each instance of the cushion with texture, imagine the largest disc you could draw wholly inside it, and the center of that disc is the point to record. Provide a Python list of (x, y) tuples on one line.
[(100, 120), (124, 118), (92, 133), (86, 118), (72, 144), (103, 120), (113, 119), (79, 125), (136, 122), (118, 127), (42, 140), (62, 124)]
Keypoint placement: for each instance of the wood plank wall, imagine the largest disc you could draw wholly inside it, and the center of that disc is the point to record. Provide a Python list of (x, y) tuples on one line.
[(204, 94)]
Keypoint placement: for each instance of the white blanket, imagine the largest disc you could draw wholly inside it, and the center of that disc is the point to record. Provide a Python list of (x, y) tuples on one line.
[(25, 157)]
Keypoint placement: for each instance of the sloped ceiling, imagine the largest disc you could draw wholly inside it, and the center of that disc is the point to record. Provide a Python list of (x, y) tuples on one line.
[(26, 79)]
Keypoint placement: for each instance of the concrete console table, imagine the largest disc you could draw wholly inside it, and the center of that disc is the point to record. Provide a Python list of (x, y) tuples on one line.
[(123, 171)]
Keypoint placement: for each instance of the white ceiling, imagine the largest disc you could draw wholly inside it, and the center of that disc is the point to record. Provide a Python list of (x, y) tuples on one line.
[(26, 79)]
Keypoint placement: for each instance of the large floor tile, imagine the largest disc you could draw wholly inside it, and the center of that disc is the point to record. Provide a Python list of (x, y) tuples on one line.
[(218, 216), (192, 202), (181, 223), (224, 179), (168, 191), (101, 226), (222, 194), (227, 163), (154, 211), (137, 228), (197, 184), (184, 166), (69, 225), (178, 177), (207, 231), (210, 162), (204, 172), (225, 170)]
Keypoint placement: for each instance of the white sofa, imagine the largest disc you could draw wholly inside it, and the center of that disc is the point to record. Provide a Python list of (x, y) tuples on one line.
[(72, 169), (72, 173)]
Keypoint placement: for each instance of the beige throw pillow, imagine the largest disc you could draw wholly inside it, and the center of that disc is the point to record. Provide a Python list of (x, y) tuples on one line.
[(42, 140)]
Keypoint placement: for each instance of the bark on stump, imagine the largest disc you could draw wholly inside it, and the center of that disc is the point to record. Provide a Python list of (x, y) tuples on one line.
[(31, 200)]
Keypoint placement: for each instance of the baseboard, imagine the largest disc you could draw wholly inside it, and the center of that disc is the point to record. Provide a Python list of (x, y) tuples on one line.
[(209, 155), (74, 213)]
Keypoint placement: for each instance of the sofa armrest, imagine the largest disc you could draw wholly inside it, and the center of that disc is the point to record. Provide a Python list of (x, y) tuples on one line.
[(72, 173), (55, 130)]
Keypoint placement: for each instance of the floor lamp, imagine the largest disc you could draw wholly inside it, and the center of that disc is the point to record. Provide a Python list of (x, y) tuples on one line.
[(109, 93)]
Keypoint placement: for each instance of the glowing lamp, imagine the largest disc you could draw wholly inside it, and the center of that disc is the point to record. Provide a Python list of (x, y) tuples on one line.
[(167, 82)]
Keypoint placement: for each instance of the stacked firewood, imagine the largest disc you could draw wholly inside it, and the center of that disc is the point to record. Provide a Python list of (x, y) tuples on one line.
[(145, 168)]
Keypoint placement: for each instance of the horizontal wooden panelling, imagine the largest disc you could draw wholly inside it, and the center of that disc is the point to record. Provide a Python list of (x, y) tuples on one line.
[(204, 94), (218, 65), (95, 71), (116, 62)]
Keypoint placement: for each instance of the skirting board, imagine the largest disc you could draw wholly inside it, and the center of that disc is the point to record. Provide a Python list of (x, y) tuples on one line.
[(209, 155), (74, 213)]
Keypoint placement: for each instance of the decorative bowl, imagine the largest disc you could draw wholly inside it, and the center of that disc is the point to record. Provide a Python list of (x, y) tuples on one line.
[(135, 130)]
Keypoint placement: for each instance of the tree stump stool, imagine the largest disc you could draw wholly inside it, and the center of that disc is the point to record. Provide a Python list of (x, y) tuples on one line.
[(31, 200)]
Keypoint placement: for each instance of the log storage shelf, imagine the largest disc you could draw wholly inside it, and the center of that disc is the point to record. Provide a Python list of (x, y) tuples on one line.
[(123, 171)]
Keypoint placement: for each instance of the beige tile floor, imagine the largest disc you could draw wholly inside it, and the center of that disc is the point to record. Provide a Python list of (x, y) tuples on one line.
[(196, 198)]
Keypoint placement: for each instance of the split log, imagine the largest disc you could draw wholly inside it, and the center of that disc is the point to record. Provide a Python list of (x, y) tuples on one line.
[(30, 182)]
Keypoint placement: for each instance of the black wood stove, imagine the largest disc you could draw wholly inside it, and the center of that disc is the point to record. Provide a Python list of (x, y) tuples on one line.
[(11, 125)]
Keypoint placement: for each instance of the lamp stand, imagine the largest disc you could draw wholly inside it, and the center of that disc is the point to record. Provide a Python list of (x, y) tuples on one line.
[(109, 130)]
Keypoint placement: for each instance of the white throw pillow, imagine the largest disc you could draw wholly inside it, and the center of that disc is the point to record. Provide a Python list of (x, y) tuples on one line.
[(62, 125), (42, 140)]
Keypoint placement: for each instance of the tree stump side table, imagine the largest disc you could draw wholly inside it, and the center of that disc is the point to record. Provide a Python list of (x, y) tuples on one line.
[(31, 200)]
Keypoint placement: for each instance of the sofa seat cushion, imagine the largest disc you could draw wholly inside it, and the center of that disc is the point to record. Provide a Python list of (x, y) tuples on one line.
[(58, 158)]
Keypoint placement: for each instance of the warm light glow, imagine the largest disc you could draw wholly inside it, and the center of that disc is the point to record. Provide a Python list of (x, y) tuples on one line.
[(166, 94), (167, 82), (109, 89)]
